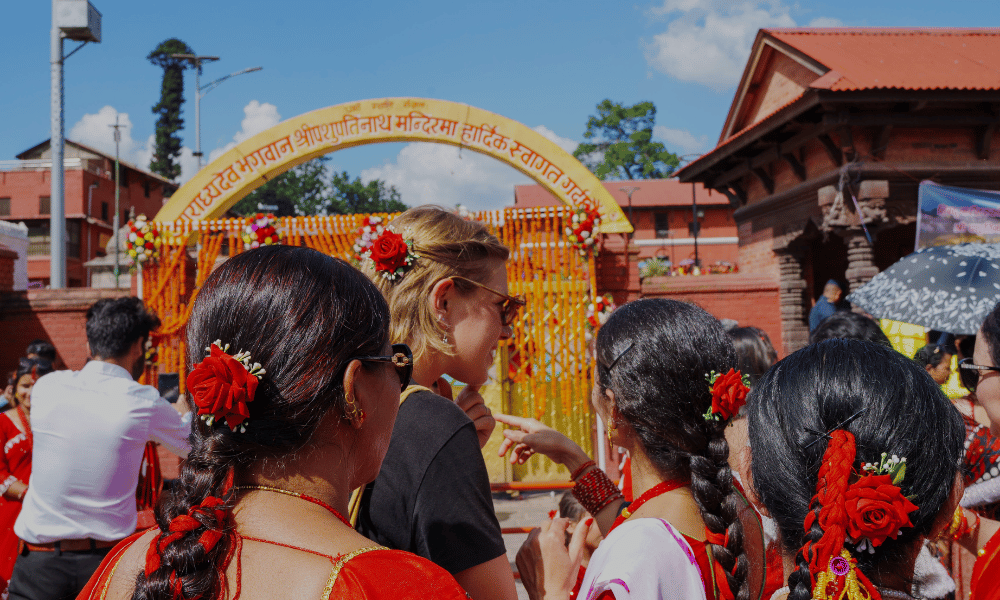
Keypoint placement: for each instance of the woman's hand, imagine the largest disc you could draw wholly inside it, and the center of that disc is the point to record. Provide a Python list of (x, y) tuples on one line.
[(560, 564), (531, 437), (472, 402)]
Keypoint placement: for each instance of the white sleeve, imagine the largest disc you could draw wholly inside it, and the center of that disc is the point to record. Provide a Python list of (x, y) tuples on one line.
[(647, 559), (169, 428)]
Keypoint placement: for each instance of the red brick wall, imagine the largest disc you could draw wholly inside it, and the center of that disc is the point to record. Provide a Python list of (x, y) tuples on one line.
[(55, 315), (748, 299)]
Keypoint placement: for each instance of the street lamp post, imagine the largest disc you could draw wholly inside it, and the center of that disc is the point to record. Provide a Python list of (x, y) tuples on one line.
[(199, 93), (76, 20)]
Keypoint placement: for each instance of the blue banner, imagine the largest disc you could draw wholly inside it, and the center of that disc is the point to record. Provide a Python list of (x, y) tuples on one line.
[(954, 215)]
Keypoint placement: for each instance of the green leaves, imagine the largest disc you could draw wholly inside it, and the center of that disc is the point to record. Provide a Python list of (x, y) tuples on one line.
[(309, 189), (168, 109), (623, 146)]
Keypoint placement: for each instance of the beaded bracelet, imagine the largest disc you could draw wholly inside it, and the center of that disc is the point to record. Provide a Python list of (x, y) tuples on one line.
[(595, 490), (579, 470)]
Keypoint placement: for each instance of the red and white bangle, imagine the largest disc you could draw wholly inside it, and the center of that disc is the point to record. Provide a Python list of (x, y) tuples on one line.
[(595, 490)]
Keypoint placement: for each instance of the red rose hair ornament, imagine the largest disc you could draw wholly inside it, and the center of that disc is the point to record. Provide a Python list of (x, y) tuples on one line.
[(390, 254), (729, 394), (222, 385)]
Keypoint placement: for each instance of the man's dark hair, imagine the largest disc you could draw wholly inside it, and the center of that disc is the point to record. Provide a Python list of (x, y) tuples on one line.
[(846, 325), (41, 349), (114, 324)]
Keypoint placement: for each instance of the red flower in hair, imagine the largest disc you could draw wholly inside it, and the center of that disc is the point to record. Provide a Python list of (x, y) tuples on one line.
[(729, 394), (389, 251), (876, 509), (221, 387)]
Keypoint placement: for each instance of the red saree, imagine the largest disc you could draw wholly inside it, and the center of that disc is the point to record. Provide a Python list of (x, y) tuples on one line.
[(374, 573)]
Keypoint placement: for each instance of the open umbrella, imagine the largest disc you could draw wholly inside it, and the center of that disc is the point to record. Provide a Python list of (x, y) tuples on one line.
[(947, 288)]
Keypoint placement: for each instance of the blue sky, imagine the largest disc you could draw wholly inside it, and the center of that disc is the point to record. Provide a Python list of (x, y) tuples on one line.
[(545, 64)]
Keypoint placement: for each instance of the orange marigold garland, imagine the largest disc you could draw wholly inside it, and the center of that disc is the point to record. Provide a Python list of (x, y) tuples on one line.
[(143, 241), (260, 231), (582, 233), (222, 385), (729, 394)]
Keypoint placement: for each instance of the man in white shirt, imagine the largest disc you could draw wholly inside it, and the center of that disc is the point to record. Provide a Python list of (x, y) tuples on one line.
[(90, 428)]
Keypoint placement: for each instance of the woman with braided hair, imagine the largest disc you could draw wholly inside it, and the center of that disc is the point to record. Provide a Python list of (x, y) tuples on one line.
[(855, 455), (666, 388), (296, 388)]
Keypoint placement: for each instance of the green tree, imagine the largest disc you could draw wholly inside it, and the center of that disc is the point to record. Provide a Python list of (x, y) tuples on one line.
[(621, 145), (352, 197), (168, 109), (302, 190), (308, 189)]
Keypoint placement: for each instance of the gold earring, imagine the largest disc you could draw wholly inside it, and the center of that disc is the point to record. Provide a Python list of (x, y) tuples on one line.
[(612, 429), (354, 412)]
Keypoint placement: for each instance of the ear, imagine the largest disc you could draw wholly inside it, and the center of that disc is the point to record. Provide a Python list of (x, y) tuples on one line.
[(441, 293), (351, 380)]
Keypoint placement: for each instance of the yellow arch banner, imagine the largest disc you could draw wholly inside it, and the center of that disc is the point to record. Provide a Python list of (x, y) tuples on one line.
[(250, 164)]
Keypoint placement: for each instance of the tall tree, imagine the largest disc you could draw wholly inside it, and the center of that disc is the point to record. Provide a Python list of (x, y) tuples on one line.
[(352, 197), (621, 145), (168, 109)]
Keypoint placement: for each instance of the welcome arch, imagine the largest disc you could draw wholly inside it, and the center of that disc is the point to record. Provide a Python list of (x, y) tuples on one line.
[(266, 155)]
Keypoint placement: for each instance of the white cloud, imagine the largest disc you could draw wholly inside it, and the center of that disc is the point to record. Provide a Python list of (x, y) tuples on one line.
[(565, 143), (709, 41), (95, 130), (681, 141), (826, 22), (427, 173), (257, 117)]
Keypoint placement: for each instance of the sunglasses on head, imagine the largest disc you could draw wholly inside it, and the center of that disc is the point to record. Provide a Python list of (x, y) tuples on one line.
[(510, 306), (401, 359), (969, 373)]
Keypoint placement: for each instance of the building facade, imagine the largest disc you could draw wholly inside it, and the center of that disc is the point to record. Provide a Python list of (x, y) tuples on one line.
[(25, 188), (828, 137)]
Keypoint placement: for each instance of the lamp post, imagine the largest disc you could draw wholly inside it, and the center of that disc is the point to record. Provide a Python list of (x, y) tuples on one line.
[(629, 190), (76, 20), (695, 225), (200, 91), (115, 222)]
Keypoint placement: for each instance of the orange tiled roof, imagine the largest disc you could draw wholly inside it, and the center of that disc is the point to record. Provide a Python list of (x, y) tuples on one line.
[(900, 58)]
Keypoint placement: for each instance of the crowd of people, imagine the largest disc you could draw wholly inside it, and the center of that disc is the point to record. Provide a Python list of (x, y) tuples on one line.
[(327, 457)]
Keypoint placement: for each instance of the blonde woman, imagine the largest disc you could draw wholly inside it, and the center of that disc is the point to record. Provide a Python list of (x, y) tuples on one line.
[(446, 284)]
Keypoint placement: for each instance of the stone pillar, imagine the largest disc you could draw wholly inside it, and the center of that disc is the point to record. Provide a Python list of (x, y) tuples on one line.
[(794, 300), (860, 260)]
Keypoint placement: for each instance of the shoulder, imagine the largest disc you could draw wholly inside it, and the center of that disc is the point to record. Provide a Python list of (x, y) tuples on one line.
[(115, 577), (384, 573), (434, 417), (623, 558)]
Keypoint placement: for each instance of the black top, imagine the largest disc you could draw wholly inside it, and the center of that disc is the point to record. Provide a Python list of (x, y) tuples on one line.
[(432, 496)]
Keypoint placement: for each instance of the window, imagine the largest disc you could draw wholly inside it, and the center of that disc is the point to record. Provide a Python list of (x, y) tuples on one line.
[(39, 238), (44, 205), (145, 188), (104, 211), (73, 238), (4, 207), (662, 224)]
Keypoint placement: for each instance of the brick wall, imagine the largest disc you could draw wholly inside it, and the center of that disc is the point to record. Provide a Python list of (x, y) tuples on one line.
[(7, 258), (749, 299), (55, 315)]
